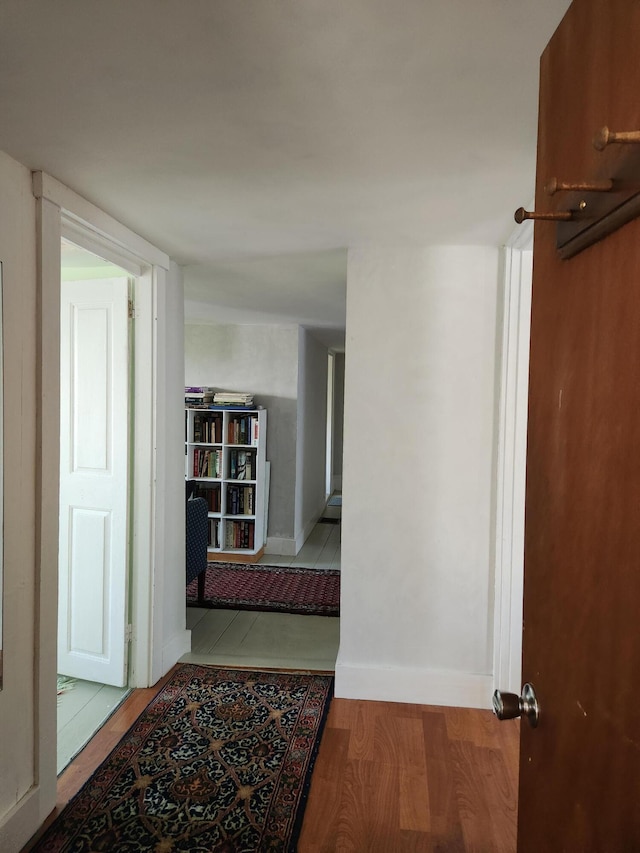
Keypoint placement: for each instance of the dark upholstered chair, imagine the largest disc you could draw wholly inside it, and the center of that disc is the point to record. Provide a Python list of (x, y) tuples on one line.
[(197, 528)]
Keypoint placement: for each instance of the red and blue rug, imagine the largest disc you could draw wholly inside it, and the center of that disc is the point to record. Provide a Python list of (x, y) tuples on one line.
[(280, 589), (220, 761)]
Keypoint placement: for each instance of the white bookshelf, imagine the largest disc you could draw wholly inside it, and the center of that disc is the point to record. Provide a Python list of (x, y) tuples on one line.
[(225, 456)]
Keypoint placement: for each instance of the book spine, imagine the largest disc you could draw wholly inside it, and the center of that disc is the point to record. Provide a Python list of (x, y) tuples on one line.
[(241, 467)]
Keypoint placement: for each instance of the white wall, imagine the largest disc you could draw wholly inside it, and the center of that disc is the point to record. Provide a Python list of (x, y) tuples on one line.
[(18, 765), (418, 445), (264, 360), (312, 431)]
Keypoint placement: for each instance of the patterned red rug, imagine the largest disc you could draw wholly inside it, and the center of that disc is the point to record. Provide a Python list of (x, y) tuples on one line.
[(219, 762), (242, 586)]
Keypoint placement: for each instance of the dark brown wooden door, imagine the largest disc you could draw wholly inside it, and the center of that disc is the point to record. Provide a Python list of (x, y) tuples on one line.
[(580, 769)]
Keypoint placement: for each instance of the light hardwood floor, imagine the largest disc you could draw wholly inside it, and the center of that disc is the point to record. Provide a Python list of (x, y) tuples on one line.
[(395, 777), (389, 777)]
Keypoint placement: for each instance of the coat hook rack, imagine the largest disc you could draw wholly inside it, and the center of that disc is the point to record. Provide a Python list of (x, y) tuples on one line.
[(555, 186), (556, 216), (596, 207), (606, 137)]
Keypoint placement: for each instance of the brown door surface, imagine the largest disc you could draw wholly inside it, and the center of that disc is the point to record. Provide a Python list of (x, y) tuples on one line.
[(580, 769)]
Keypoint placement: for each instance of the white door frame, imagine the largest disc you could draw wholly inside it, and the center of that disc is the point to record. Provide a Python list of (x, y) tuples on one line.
[(511, 460), (330, 415), (52, 199), (71, 216)]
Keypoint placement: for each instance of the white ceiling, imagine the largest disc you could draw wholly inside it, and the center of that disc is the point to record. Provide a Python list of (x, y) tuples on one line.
[(255, 140)]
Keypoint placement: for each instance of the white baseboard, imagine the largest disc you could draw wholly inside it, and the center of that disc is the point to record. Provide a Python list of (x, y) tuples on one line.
[(416, 686), (290, 547), (280, 547), (172, 651)]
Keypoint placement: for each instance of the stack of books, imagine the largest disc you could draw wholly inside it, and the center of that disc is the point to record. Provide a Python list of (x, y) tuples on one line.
[(198, 396), (238, 400)]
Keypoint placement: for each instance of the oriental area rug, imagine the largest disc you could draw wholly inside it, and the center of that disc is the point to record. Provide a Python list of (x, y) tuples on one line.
[(220, 761), (282, 589)]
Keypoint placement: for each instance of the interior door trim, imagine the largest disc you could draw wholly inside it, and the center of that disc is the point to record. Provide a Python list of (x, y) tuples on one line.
[(511, 462)]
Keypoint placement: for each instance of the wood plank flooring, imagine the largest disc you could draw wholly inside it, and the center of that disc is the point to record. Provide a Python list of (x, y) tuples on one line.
[(82, 709), (396, 777), (389, 777)]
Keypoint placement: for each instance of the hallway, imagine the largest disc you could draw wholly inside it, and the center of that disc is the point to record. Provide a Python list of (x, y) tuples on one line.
[(276, 640)]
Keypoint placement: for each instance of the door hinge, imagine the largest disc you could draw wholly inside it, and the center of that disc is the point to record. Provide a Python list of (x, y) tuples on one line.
[(128, 633), (132, 309)]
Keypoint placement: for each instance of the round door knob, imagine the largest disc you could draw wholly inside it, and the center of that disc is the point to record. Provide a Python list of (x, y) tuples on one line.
[(508, 706)]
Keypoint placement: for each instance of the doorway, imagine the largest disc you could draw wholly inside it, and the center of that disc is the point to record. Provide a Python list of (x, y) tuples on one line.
[(257, 637)]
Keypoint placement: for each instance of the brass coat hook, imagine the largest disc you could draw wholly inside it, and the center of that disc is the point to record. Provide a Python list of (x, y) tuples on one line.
[(559, 215), (555, 186), (606, 137)]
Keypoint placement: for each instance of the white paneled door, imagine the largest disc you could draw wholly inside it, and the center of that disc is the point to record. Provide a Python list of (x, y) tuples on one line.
[(94, 425)]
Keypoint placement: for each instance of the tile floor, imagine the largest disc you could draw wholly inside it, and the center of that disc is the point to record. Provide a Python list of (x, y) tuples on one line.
[(273, 640), (320, 551), (226, 638)]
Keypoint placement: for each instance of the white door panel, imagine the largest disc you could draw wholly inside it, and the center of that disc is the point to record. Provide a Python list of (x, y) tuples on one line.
[(93, 480)]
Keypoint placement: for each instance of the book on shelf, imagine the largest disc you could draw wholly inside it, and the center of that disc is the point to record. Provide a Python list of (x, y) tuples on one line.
[(214, 533), (243, 429), (233, 398), (207, 428), (239, 535), (207, 463), (211, 494), (198, 395), (242, 464), (240, 500)]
